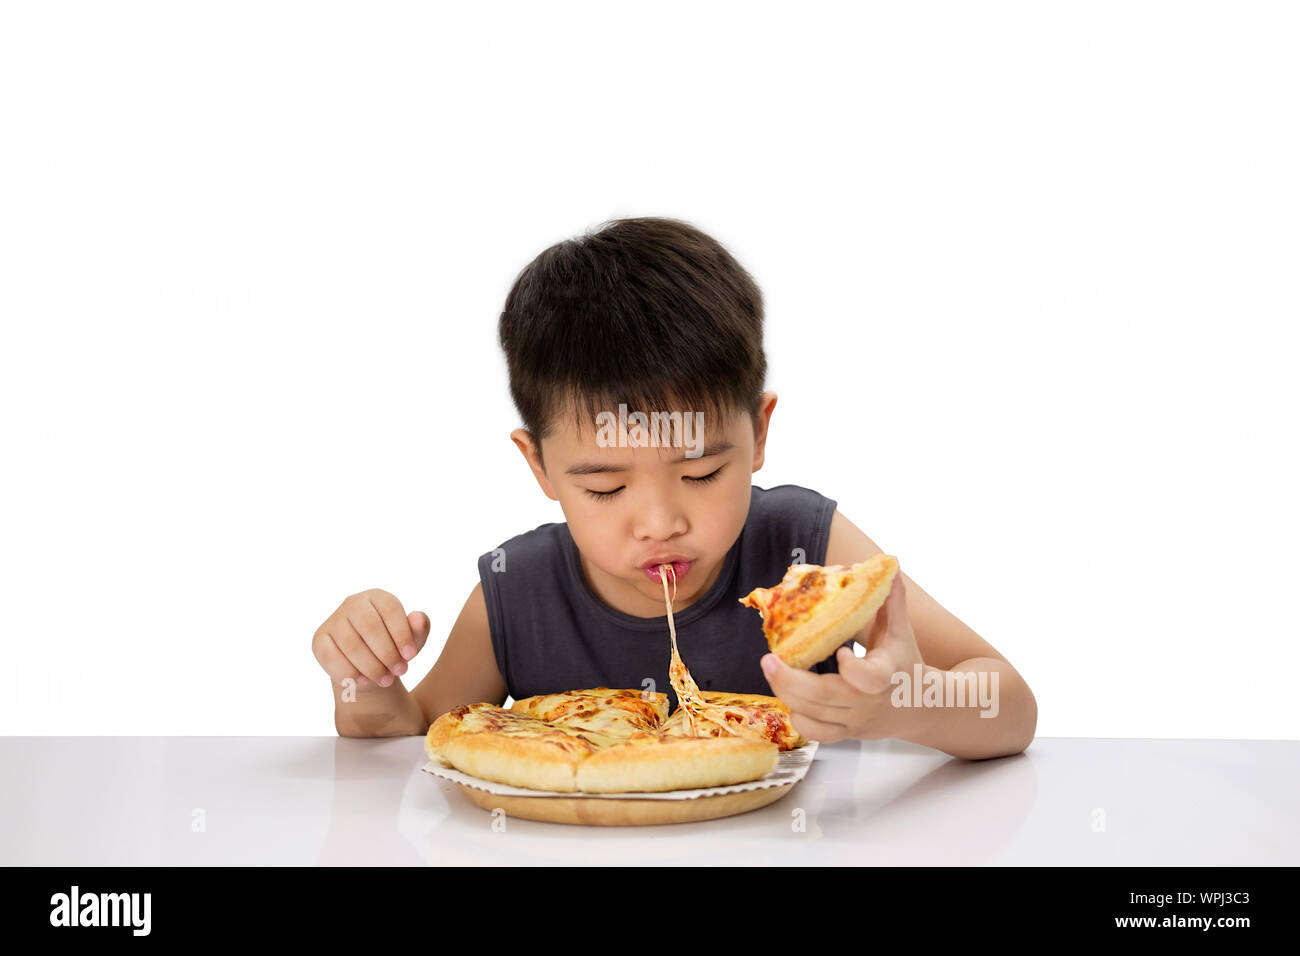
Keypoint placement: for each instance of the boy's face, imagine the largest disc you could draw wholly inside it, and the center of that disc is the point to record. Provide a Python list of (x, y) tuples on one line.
[(631, 508)]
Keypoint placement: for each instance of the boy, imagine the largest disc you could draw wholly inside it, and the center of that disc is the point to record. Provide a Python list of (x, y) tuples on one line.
[(651, 315)]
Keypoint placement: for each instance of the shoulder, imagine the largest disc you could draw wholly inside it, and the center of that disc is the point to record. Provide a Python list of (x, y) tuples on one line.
[(847, 543), (787, 496), (785, 504), (787, 523), (539, 547)]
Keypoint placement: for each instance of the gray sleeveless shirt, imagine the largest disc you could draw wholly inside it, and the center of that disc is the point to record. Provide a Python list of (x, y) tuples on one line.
[(551, 633)]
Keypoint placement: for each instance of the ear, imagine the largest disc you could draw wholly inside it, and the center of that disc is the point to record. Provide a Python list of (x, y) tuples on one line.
[(766, 402), (529, 449)]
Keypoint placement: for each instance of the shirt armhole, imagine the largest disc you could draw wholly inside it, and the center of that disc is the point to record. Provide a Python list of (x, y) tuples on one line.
[(822, 530), (496, 619)]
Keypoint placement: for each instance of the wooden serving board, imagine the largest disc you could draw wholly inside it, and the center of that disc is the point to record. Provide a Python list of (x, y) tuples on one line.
[(597, 811)]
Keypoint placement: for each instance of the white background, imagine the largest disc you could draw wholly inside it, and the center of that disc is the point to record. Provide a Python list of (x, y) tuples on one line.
[(1030, 271)]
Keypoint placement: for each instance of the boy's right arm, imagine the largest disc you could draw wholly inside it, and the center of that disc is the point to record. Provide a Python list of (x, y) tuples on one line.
[(363, 637)]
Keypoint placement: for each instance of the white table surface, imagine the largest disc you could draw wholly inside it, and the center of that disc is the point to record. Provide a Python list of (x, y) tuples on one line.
[(135, 801)]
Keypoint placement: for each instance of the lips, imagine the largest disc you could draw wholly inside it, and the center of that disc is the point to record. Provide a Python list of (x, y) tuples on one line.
[(681, 567)]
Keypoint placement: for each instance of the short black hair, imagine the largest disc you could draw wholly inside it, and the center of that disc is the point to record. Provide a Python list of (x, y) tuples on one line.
[(645, 311)]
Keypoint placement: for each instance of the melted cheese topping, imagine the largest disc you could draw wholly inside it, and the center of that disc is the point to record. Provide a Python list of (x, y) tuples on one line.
[(600, 709), (739, 715), (575, 738), (803, 588)]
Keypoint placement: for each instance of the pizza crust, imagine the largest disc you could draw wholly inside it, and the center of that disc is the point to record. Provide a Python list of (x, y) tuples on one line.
[(656, 762), (568, 763), (440, 731), (539, 763)]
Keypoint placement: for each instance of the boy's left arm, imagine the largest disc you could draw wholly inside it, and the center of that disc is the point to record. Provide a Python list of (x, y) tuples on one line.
[(866, 700)]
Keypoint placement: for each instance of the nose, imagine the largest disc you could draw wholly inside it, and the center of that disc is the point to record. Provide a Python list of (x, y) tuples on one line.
[(658, 519)]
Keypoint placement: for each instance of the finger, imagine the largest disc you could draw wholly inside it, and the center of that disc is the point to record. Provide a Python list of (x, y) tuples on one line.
[(396, 628), (344, 668), (807, 689), (827, 707), (880, 622), (872, 674), (895, 606), (889, 612), (817, 710), (333, 660), (365, 616), (420, 625), (814, 729), (357, 650)]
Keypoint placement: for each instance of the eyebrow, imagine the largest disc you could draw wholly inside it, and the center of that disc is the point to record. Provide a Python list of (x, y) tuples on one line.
[(600, 468)]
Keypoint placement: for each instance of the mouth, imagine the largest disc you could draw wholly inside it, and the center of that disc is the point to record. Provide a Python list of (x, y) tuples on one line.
[(681, 567)]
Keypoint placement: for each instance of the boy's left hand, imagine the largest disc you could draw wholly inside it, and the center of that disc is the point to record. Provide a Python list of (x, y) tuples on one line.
[(856, 701)]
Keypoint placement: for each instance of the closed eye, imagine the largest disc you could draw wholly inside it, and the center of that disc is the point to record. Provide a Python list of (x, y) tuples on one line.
[(705, 479), (701, 480)]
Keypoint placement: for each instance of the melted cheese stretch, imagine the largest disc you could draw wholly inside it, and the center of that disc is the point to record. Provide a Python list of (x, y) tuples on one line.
[(702, 718), (714, 718), (688, 694)]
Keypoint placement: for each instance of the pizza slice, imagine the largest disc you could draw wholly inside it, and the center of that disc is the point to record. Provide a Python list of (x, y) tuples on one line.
[(754, 716), (511, 747), (817, 608)]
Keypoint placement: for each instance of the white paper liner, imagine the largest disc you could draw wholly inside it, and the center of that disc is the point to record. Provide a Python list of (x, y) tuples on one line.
[(791, 767)]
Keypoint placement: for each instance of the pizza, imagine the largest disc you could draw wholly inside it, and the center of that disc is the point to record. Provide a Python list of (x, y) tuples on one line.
[(817, 608), (599, 741), (610, 740)]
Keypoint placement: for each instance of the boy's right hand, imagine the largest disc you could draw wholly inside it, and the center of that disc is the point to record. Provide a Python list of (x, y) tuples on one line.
[(370, 638)]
